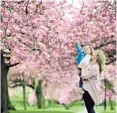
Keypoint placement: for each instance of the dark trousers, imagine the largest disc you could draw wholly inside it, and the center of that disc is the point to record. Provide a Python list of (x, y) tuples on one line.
[(80, 82), (89, 103)]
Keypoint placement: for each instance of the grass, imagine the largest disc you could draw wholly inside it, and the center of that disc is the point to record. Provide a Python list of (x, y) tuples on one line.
[(40, 112), (59, 109), (17, 102), (73, 109), (100, 109)]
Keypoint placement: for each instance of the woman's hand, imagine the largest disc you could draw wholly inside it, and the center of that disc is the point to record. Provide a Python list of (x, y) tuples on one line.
[(83, 66)]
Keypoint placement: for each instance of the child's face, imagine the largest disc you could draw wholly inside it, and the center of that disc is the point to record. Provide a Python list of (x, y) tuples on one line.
[(87, 50)]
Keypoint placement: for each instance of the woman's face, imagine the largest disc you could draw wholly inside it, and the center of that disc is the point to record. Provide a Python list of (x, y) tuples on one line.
[(94, 55)]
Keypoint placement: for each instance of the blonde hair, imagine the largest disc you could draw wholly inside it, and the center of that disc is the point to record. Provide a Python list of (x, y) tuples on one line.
[(101, 59), (92, 50)]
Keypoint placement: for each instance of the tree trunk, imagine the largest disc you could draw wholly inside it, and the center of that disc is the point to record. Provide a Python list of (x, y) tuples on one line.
[(111, 104), (39, 94), (4, 104), (24, 93), (66, 106), (39, 101), (5, 101), (4, 87), (10, 106), (105, 94)]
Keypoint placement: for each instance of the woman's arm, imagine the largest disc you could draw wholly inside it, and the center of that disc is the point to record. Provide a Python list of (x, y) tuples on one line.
[(94, 71)]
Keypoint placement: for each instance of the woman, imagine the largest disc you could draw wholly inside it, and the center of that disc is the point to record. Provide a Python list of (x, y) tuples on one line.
[(83, 56), (90, 77)]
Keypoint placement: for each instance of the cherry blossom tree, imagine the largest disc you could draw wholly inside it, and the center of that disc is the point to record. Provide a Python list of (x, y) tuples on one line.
[(110, 83), (43, 34)]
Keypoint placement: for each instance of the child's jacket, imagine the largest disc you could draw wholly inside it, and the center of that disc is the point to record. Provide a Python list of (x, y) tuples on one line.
[(81, 54)]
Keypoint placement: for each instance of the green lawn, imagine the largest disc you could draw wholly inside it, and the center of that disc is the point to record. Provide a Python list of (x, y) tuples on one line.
[(41, 112), (17, 102), (100, 109), (74, 109), (59, 109)]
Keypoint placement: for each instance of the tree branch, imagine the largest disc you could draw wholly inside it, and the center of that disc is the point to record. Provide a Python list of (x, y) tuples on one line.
[(82, 7), (105, 44), (111, 61), (18, 82), (111, 52), (30, 47), (23, 43), (16, 85), (27, 8), (11, 65), (19, 2)]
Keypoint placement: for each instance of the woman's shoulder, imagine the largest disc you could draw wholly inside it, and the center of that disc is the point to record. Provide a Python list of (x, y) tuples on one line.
[(91, 65)]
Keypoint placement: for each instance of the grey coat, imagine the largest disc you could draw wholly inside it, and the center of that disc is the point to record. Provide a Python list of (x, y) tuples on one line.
[(91, 82)]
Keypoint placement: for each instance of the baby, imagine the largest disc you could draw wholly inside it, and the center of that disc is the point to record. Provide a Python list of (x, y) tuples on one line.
[(83, 57)]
